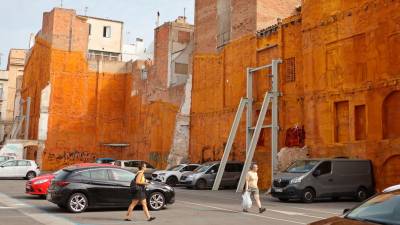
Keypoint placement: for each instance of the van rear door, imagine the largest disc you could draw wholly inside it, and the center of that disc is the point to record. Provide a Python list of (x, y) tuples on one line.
[(351, 175)]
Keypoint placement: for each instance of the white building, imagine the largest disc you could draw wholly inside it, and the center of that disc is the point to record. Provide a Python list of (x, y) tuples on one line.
[(136, 51), (105, 38)]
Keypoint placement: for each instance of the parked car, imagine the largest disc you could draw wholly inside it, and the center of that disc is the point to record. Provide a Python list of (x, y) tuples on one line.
[(105, 160), (19, 168), (5, 158), (173, 175), (324, 178), (80, 188), (203, 177), (133, 166), (383, 208), (40, 184)]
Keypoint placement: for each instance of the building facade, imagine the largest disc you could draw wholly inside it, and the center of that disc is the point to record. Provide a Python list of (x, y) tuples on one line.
[(3, 104), (339, 79)]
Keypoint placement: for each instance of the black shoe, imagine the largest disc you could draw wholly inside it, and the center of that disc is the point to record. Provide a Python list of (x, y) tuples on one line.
[(151, 219), (245, 210), (127, 219), (261, 210)]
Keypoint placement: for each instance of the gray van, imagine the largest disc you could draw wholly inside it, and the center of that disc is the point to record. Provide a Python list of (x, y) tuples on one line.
[(203, 177), (324, 178)]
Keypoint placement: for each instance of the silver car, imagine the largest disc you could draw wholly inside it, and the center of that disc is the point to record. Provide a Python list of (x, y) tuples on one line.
[(133, 166), (204, 176)]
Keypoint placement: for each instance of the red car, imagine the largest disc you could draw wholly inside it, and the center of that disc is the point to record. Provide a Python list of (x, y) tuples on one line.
[(39, 185)]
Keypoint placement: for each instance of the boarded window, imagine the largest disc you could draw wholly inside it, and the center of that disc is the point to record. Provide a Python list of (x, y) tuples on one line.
[(181, 68), (290, 70), (360, 122), (90, 29), (107, 31), (342, 121), (183, 37), (391, 116)]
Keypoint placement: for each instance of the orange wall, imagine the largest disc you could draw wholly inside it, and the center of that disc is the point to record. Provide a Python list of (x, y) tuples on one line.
[(343, 52)]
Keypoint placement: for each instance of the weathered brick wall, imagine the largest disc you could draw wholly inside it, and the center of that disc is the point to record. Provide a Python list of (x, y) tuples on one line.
[(344, 55), (205, 31)]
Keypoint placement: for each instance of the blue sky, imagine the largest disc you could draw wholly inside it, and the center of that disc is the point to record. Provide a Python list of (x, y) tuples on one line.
[(20, 18)]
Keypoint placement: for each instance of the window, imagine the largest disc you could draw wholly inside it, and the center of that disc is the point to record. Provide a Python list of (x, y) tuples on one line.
[(325, 168), (24, 163), (290, 70), (121, 175), (149, 166), (191, 168), (391, 116), (90, 29), (181, 68), (131, 164), (107, 31), (117, 163), (99, 174), (234, 167), (10, 163), (213, 168), (81, 175)]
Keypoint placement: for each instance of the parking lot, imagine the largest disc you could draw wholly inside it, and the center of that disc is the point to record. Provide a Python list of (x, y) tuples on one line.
[(191, 207)]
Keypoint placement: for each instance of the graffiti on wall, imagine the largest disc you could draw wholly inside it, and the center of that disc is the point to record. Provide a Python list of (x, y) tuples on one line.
[(158, 159), (214, 153), (69, 157)]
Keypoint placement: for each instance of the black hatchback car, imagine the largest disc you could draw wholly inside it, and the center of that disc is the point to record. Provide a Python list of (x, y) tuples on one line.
[(79, 188)]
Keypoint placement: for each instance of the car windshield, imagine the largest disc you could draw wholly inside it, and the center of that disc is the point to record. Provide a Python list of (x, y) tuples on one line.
[(176, 168), (302, 166), (382, 209)]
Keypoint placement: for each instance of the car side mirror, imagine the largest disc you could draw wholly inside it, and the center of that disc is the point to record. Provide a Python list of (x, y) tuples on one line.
[(316, 173), (212, 171), (346, 211)]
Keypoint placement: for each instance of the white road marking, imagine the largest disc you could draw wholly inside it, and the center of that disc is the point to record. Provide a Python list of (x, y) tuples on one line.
[(5, 207), (39, 216), (295, 214), (247, 214)]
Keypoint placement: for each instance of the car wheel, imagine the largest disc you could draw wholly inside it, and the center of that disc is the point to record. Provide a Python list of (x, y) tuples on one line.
[(361, 194), (308, 195), (156, 201), (30, 175), (172, 181), (201, 184), (77, 203)]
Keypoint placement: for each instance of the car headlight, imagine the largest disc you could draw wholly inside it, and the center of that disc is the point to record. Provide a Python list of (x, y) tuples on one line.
[(169, 188), (296, 180), (161, 174), (41, 181)]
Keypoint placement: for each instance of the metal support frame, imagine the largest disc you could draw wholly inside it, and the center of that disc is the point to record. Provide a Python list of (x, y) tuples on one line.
[(228, 146), (253, 133), (20, 119)]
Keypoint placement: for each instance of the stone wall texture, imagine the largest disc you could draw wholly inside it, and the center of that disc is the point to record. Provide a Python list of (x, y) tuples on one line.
[(340, 78)]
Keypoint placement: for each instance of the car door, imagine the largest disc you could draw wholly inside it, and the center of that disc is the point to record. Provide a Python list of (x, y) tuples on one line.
[(100, 187), (23, 167), (8, 169), (120, 180), (324, 179), (211, 174)]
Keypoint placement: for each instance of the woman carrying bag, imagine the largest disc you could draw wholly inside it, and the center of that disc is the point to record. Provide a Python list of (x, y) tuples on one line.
[(138, 193)]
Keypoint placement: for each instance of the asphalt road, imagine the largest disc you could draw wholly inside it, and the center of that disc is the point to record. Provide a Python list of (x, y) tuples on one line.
[(192, 207)]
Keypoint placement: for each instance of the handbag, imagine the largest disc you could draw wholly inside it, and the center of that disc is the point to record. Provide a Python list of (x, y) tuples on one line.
[(246, 200), (134, 187)]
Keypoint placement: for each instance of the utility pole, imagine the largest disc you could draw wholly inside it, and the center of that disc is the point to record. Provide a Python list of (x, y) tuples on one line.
[(61, 3), (86, 10)]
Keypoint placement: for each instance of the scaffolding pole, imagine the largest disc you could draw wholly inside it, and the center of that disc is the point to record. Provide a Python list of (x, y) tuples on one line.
[(253, 133)]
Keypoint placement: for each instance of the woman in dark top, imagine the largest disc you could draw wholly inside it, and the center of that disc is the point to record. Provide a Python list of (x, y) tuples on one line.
[(138, 193)]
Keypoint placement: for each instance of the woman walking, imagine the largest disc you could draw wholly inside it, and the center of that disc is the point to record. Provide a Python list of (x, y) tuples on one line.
[(138, 193), (252, 186)]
